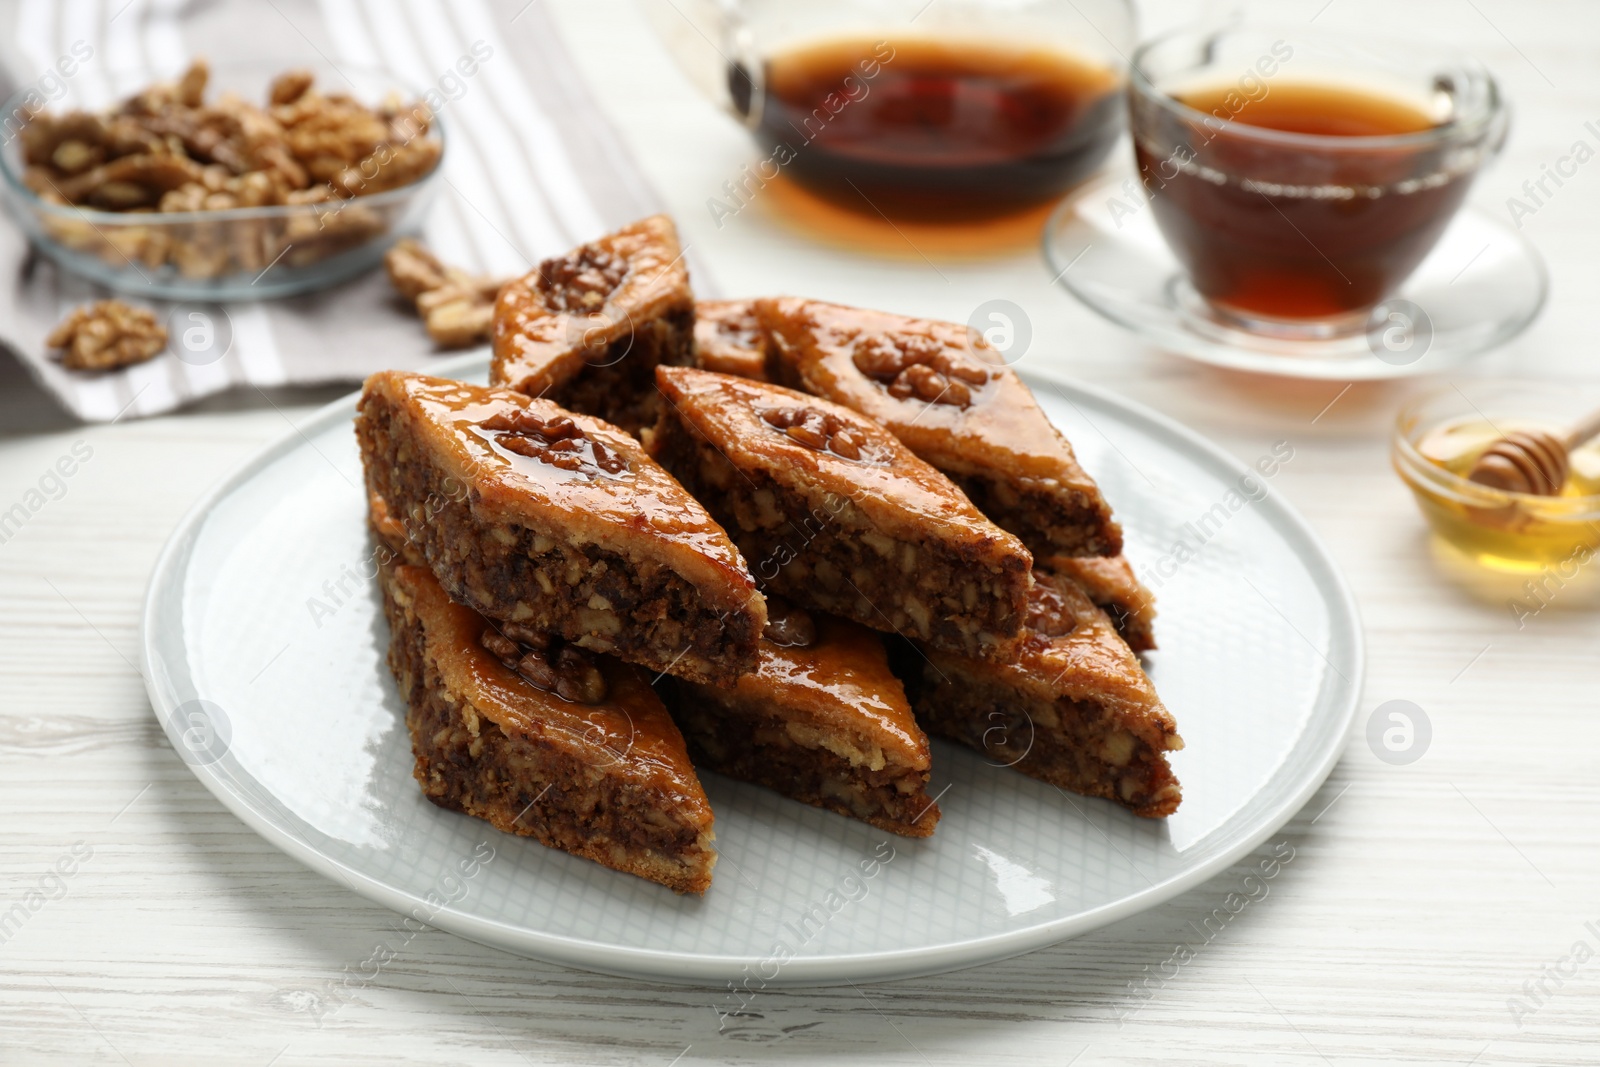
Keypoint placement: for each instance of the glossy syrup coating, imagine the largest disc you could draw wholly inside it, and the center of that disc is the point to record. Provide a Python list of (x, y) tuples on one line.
[(841, 681), (391, 533), (569, 310), (752, 424), (938, 386), (1111, 585), (629, 733), (1070, 649), (613, 496), (1072, 708), (729, 338)]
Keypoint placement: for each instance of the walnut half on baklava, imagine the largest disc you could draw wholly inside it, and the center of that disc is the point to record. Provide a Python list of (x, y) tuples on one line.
[(587, 329), (949, 396)]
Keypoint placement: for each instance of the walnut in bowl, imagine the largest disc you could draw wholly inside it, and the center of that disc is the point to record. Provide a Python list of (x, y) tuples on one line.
[(193, 190)]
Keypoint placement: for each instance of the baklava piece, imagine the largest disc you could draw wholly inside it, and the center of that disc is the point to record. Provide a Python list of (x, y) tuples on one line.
[(728, 339), (1074, 709), (573, 750), (949, 396), (1116, 590), (560, 523), (837, 515), (823, 721), (587, 329)]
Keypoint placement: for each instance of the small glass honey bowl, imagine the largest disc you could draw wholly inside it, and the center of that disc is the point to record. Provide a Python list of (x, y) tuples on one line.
[(1440, 436)]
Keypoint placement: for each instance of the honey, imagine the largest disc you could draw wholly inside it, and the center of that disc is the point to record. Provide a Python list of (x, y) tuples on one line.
[(1456, 446), (1504, 531)]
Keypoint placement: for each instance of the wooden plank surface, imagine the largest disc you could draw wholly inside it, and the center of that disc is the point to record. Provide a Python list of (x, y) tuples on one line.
[(1421, 901)]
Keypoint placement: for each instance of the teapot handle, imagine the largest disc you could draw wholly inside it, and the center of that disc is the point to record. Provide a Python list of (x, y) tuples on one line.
[(712, 44)]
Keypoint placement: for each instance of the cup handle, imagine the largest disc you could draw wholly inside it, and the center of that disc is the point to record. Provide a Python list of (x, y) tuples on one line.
[(1501, 132)]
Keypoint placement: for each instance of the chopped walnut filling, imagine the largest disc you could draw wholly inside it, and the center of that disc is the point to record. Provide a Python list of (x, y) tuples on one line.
[(558, 441), (107, 335), (820, 431), (581, 280), (919, 366), (525, 635), (1049, 616), (457, 307), (789, 626), (569, 672)]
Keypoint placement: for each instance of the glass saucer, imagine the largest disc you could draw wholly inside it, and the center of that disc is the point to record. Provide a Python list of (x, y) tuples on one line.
[(1481, 286)]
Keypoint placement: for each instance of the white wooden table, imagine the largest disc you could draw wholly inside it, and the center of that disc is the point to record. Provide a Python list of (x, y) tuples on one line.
[(1422, 898)]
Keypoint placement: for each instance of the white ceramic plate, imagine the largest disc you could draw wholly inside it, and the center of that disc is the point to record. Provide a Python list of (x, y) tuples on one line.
[(264, 649)]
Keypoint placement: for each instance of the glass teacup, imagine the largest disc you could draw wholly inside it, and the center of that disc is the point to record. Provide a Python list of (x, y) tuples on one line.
[(1300, 176)]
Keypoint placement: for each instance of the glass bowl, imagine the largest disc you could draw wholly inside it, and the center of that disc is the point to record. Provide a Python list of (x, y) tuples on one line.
[(234, 254), (1438, 437)]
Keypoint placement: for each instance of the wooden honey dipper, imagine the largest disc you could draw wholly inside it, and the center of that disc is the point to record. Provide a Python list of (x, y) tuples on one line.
[(1532, 461)]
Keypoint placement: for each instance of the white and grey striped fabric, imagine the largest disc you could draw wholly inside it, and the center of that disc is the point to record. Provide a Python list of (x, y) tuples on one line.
[(532, 168)]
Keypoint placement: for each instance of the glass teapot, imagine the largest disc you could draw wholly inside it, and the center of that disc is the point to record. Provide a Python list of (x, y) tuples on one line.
[(924, 110)]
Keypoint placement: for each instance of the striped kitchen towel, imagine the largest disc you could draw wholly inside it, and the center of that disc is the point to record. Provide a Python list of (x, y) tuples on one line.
[(532, 168)]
